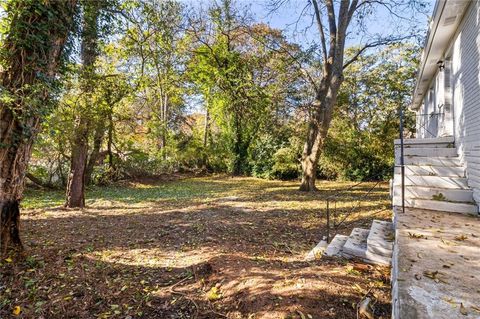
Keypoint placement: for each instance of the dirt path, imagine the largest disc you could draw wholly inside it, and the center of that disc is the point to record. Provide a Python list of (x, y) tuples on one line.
[(193, 248)]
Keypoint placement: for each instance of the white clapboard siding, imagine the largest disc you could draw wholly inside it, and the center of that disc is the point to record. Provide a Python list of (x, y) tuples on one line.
[(466, 95)]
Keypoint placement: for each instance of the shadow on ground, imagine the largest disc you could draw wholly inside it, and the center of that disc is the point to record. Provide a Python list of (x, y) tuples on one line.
[(236, 252)]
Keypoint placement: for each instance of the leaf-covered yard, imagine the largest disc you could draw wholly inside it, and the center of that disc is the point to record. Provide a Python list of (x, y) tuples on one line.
[(206, 247)]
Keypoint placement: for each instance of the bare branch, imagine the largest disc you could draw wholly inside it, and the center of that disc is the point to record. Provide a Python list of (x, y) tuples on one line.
[(320, 29), (351, 10), (332, 28), (374, 44)]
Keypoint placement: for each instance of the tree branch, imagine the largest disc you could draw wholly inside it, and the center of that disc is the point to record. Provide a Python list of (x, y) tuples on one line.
[(332, 27), (318, 17), (375, 44)]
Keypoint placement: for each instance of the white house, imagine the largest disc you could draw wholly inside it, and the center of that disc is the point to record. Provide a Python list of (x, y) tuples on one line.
[(435, 254), (436, 188), (445, 155)]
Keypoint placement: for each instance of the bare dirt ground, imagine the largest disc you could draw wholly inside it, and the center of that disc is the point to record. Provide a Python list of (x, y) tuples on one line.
[(213, 247)]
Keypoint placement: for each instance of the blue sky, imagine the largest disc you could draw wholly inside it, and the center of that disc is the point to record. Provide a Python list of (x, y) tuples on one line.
[(286, 18)]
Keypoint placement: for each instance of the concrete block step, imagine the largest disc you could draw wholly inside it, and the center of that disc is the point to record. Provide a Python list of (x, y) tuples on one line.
[(317, 251), (432, 181), (462, 208), (428, 151), (425, 170), (427, 192), (429, 161), (336, 245), (356, 247), (380, 238)]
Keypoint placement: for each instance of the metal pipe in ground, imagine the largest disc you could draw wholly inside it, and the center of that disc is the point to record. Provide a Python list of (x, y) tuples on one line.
[(402, 162)]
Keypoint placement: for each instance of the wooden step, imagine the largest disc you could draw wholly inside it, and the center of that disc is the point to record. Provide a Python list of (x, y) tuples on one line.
[(427, 142), (425, 170), (427, 151), (432, 181), (429, 161), (438, 205), (427, 192)]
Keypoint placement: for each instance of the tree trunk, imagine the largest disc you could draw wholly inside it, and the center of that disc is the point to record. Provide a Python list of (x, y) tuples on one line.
[(110, 142), (165, 126), (10, 234), (311, 151), (75, 196), (206, 129), (97, 144), (39, 182), (31, 54), (13, 165), (239, 149), (78, 165), (317, 132)]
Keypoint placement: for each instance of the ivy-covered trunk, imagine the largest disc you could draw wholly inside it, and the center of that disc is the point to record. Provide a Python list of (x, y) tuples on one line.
[(31, 53), (75, 195), (14, 154), (240, 147)]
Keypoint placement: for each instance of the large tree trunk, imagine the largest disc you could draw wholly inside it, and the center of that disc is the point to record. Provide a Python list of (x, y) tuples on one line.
[(75, 196), (317, 132), (13, 165), (78, 165), (327, 91), (31, 54)]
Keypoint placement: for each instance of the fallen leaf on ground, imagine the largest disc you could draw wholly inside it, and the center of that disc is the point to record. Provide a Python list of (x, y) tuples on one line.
[(301, 314), (16, 310), (418, 236), (213, 294), (461, 237)]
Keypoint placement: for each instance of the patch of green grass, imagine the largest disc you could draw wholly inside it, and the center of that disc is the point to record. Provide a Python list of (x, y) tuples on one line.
[(133, 193), (42, 199), (194, 191)]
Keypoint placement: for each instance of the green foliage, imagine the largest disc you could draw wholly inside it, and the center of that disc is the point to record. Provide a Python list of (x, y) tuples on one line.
[(286, 164), (160, 75), (276, 155), (31, 80), (242, 81), (360, 141)]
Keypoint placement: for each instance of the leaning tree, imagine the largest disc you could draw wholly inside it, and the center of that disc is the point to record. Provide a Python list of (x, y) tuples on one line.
[(34, 38), (334, 20)]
